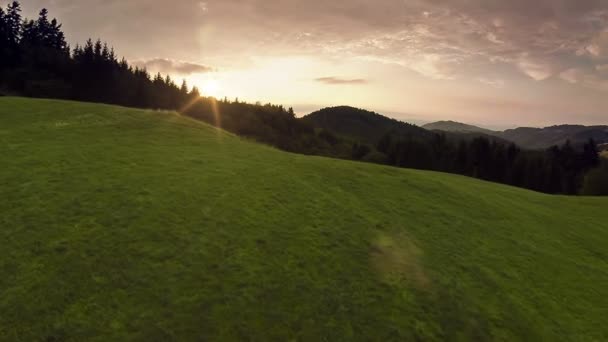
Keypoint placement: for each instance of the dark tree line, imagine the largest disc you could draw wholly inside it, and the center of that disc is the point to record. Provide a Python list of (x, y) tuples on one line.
[(558, 170), (36, 61), (272, 124)]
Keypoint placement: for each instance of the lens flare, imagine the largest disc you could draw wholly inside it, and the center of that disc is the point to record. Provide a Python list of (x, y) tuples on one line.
[(211, 88)]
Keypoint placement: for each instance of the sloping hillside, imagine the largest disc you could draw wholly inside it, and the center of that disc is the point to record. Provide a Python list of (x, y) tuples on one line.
[(123, 224), (363, 125)]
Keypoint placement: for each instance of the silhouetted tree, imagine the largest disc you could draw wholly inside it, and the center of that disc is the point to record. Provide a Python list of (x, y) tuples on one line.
[(10, 35)]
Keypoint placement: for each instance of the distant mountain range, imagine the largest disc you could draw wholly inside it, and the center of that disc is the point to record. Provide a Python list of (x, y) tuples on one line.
[(369, 127), (538, 138), (532, 138)]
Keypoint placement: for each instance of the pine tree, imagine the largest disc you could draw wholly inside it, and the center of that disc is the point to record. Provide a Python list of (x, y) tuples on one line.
[(105, 53), (57, 39), (29, 34), (43, 28), (195, 93), (113, 56), (184, 88), (88, 53), (97, 49), (169, 81), (13, 23), (4, 42)]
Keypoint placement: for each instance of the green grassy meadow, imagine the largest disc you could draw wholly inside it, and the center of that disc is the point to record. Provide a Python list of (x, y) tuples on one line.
[(124, 224)]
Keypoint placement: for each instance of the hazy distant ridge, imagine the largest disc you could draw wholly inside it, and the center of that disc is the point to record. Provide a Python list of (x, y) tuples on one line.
[(458, 127), (530, 137)]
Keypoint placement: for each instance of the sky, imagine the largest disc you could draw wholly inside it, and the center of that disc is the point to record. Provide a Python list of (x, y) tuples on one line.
[(495, 63)]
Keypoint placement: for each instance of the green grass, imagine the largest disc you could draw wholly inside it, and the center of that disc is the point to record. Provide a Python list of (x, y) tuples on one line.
[(123, 224)]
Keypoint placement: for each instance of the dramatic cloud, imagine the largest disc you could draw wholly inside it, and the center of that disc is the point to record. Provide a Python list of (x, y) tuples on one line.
[(337, 80), (540, 38), (435, 38), (428, 49), (168, 66)]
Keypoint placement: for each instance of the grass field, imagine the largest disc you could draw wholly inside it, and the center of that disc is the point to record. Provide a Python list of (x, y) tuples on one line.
[(123, 224)]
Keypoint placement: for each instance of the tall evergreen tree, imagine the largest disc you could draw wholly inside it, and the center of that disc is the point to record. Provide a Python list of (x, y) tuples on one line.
[(13, 23), (4, 41)]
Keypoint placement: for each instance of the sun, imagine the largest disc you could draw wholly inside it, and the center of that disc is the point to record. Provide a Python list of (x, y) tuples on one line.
[(211, 88)]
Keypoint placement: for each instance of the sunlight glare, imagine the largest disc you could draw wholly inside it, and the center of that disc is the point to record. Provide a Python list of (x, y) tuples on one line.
[(211, 88)]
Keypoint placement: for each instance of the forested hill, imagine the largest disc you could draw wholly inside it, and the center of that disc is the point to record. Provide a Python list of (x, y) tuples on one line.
[(363, 125)]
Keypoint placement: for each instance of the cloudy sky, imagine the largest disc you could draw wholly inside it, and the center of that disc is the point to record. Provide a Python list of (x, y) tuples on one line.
[(493, 62)]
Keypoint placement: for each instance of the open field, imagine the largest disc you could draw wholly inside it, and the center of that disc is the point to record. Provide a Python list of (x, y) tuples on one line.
[(124, 224)]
